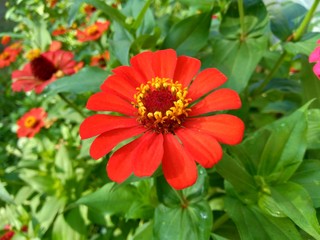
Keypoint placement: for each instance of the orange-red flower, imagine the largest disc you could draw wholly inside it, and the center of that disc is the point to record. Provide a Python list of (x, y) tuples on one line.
[(92, 32), (52, 3), (59, 31), (5, 40), (89, 9), (100, 60), (42, 70), (9, 54), (31, 122), (161, 101)]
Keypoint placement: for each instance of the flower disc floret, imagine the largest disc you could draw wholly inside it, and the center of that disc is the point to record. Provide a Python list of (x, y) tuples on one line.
[(162, 104)]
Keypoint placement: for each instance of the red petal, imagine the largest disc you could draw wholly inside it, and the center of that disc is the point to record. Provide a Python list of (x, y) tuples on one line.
[(179, 169), (164, 63), (132, 76), (148, 154), (186, 69), (110, 102), (221, 99), (202, 147), (225, 128), (206, 81), (100, 123), (120, 164), (105, 142), (120, 86), (143, 64)]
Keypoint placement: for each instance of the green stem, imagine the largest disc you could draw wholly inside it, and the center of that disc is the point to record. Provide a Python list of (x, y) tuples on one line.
[(241, 15), (71, 104), (221, 220), (271, 73), (303, 26)]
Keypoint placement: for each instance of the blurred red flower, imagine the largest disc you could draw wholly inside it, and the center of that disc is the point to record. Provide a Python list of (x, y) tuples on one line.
[(8, 235), (5, 40), (59, 31), (100, 60), (315, 57), (42, 70), (92, 32), (89, 9), (167, 107), (52, 3), (31, 122)]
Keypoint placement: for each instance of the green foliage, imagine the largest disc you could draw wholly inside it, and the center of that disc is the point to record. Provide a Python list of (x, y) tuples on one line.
[(266, 187)]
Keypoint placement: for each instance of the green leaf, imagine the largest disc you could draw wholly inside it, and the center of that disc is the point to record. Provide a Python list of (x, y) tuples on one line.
[(87, 79), (191, 222), (294, 201), (237, 59), (144, 232), (108, 201), (285, 148), (40, 34), (253, 224), (4, 195), (48, 212), (69, 226), (171, 197), (255, 20), (308, 176), (285, 18), (73, 10), (63, 164), (189, 35), (313, 129), (304, 46), (233, 170), (310, 83)]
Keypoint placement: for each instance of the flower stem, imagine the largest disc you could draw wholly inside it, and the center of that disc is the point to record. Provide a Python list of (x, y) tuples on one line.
[(303, 26), (271, 73), (71, 104), (241, 15), (221, 220)]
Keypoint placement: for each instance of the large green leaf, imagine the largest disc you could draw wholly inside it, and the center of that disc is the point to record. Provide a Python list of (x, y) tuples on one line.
[(110, 201), (310, 83), (237, 59), (294, 201), (69, 226), (313, 129), (87, 79), (304, 46), (255, 21), (285, 18), (252, 224), (285, 148), (191, 222), (308, 175), (189, 35)]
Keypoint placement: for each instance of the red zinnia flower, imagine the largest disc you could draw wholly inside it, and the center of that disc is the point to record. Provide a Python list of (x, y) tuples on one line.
[(59, 31), (93, 32), (42, 70), (8, 235), (100, 60), (52, 3), (163, 107), (5, 40), (31, 122), (89, 9)]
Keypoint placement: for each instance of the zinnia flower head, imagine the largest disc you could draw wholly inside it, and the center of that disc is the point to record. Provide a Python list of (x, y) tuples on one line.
[(43, 69), (31, 122), (315, 57), (100, 60), (167, 107), (92, 32), (60, 30), (5, 40)]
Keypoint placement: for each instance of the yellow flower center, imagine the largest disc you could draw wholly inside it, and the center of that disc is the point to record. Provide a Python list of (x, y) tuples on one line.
[(30, 121), (92, 30), (162, 104), (32, 54)]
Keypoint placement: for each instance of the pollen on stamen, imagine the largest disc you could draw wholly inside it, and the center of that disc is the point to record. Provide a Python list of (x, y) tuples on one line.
[(162, 105)]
